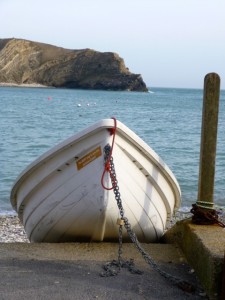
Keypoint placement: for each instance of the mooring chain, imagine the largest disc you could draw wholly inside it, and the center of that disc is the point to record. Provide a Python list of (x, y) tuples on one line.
[(205, 216), (114, 267), (110, 271)]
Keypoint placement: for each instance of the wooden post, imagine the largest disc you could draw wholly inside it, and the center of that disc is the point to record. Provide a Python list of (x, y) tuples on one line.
[(208, 141)]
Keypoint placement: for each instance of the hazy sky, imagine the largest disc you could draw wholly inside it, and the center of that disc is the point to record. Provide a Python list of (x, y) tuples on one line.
[(171, 43)]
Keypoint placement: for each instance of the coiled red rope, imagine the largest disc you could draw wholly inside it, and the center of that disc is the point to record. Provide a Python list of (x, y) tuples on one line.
[(107, 163)]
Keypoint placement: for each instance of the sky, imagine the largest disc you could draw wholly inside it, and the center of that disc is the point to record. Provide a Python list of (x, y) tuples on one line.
[(171, 43)]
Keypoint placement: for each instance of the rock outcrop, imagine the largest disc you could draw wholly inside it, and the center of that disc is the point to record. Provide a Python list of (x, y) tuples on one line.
[(28, 62)]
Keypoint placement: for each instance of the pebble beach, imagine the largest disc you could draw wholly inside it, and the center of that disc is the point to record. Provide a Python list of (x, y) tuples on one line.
[(12, 231)]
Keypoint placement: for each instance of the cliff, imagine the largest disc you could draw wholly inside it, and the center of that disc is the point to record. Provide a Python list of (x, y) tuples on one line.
[(27, 62)]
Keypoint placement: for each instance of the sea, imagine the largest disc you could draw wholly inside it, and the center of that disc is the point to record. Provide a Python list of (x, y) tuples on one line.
[(169, 120)]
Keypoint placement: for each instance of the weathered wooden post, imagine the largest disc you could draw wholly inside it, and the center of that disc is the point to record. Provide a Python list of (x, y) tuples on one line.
[(208, 141)]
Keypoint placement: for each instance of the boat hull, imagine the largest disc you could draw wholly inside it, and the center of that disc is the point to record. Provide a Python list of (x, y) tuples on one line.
[(60, 198)]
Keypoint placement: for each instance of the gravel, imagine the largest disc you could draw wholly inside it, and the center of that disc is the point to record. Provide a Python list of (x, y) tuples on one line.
[(11, 230)]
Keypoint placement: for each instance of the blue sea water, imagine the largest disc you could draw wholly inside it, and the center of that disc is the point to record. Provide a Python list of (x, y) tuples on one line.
[(32, 120)]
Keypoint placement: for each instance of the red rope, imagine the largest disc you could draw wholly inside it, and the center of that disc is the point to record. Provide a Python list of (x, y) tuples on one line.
[(107, 164)]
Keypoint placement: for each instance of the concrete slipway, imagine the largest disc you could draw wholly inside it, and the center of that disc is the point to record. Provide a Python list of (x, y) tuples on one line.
[(72, 271)]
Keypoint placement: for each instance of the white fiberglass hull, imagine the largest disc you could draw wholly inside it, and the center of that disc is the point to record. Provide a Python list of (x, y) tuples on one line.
[(59, 197)]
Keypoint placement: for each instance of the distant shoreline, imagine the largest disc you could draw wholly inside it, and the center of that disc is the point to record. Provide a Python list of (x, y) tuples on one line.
[(11, 84)]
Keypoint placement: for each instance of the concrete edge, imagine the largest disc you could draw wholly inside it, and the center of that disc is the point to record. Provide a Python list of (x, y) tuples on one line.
[(204, 248)]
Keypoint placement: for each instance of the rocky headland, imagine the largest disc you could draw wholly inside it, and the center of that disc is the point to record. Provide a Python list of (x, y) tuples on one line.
[(24, 62)]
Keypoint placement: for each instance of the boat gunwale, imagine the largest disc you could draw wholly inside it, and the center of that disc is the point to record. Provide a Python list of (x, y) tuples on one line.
[(100, 125)]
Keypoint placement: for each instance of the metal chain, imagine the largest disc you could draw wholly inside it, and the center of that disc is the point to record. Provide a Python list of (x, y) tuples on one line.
[(120, 250), (114, 267), (186, 286), (205, 216)]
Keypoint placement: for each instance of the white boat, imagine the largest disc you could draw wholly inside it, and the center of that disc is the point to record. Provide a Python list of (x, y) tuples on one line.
[(65, 196)]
